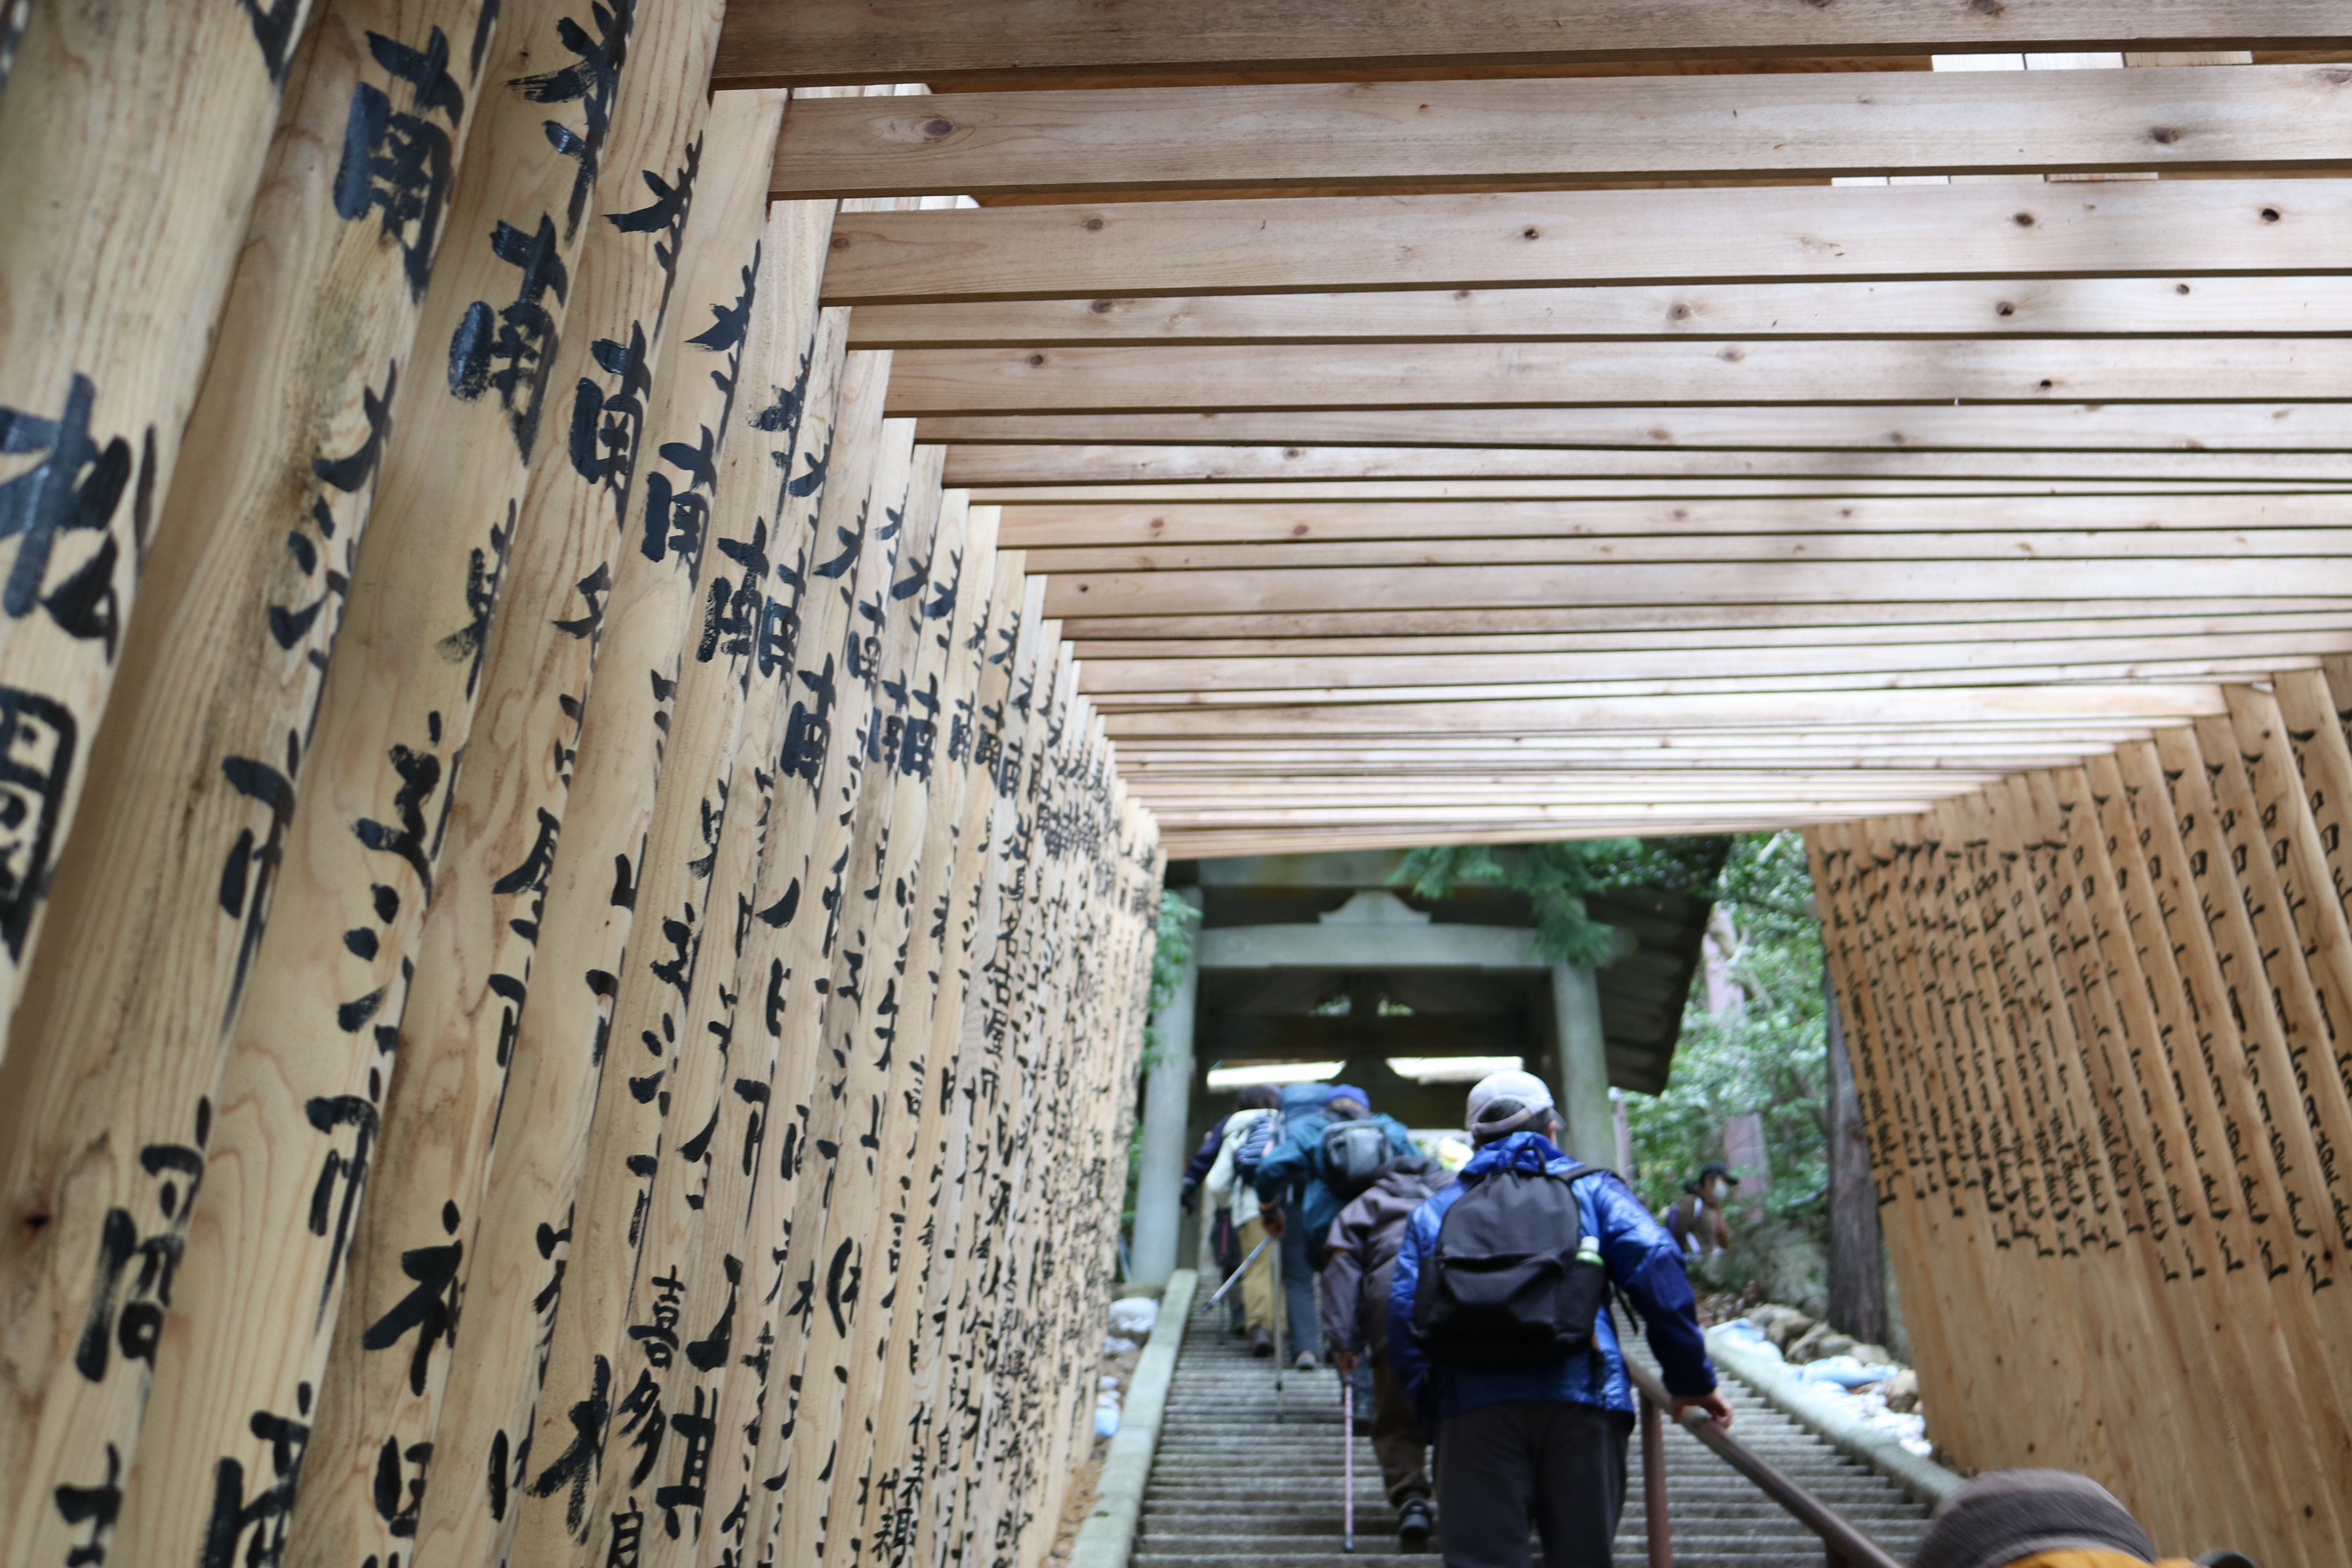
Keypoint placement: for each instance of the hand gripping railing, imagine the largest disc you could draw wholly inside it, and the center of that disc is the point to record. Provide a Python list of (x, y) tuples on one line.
[(1845, 1546)]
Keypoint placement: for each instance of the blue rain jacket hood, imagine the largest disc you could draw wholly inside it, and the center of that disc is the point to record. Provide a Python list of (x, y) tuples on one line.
[(1643, 1263)]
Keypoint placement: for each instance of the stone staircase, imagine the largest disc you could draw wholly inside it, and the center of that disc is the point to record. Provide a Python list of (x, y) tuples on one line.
[(1232, 1487)]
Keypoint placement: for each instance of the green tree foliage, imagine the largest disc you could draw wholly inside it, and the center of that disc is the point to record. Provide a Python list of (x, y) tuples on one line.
[(1171, 949), (1773, 1058)]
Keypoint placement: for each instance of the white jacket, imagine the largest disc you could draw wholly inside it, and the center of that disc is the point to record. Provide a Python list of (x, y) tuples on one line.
[(1224, 1191)]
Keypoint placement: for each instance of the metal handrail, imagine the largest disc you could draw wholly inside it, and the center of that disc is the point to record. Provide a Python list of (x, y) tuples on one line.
[(1846, 1546)]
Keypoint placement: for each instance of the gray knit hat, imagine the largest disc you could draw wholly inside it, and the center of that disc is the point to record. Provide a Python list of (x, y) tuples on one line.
[(2005, 1515)]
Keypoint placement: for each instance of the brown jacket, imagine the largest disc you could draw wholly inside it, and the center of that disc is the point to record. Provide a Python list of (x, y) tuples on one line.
[(1361, 1252)]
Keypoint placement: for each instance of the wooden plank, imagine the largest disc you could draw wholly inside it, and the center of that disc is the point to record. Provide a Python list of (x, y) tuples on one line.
[(2183, 228), (1440, 133), (1383, 493), (1768, 641), (381, 1392), (127, 1005), (1974, 308), (540, 1206), (1116, 679), (1989, 616), (311, 1047), (1303, 589), (1162, 377), (1172, 474), (2308, 427), (1064, 536), (137, 133), (1174, 696), (1986, 705), (800, 42)]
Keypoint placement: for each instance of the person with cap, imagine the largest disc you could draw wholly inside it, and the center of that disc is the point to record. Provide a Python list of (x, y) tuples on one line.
[(2044, 1519), (1358, 1262), (1296, 1183), (1230, 1194), (1697, 1222), (1505, 1342)]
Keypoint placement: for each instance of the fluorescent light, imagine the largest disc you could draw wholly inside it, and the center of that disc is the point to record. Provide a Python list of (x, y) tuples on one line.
[(1273, 1073), (1452, 1069)]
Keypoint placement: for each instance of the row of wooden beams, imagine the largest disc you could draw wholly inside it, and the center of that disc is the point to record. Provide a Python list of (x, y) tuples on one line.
[(1223, 377), (1900, 522), (1119, 679), (1456, 134), (2198, 426), (1359, 620), (2169, 228), (2012, 307), (1035, 475), (796, 43)]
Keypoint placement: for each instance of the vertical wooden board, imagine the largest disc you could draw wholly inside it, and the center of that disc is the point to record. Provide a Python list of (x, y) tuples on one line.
[(2173, 807), (2204, 1354), (152, 911), (584, 1408), (520, 1253), (379, 1397), (840, 990), (983, 1249), (2316, 734), (1909, 1210), (137, 131), (882, 1030), (907, 1412), (312, 1047)]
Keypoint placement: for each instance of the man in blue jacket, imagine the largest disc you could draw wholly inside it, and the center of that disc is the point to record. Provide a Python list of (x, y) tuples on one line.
[(1544, 1443), (1296, 1202)]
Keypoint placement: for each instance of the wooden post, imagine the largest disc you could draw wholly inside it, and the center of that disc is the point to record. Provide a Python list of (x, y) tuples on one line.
[(1857, 1286), (137, 134), (707, 395), (155, 911), (379, 1399), (301, 1094)]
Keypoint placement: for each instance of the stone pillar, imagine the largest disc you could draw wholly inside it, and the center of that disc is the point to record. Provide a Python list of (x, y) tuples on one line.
[(1167, 1100), (1587, 1121)]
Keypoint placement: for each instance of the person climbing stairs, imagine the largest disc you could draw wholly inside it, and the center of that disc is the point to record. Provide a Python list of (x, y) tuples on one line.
[(1244, 1477)]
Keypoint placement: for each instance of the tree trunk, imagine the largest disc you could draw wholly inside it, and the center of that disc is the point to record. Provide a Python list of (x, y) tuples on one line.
[(1857, 1281)]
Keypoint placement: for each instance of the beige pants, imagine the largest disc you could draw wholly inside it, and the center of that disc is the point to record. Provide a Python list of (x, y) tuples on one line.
[(1257, 1280)]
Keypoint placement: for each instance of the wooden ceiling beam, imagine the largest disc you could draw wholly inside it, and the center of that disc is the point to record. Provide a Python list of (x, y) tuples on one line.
[(2173, 228), (1305, 590), (1890, 640), (1081, 500), (1523, 620), (2201, 427), (1056, 530), (942, 382), (806, 43), (1121, 680), (1440, 135), (1994, 705), (2012, 307), (1049, 473)]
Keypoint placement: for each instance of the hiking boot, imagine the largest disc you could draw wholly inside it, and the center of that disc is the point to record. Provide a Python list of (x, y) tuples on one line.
[(1305, 1361), (1261, 1342), (1415, 1519)]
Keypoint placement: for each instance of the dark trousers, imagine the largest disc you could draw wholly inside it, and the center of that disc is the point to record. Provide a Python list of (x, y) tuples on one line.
[(1558, 1466), (1396, 1438), (1299, 1263)]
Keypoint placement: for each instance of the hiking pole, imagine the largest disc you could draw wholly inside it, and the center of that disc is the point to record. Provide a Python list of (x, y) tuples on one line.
[(1347, 1463), (1234, 1279), (1281, 1322)]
